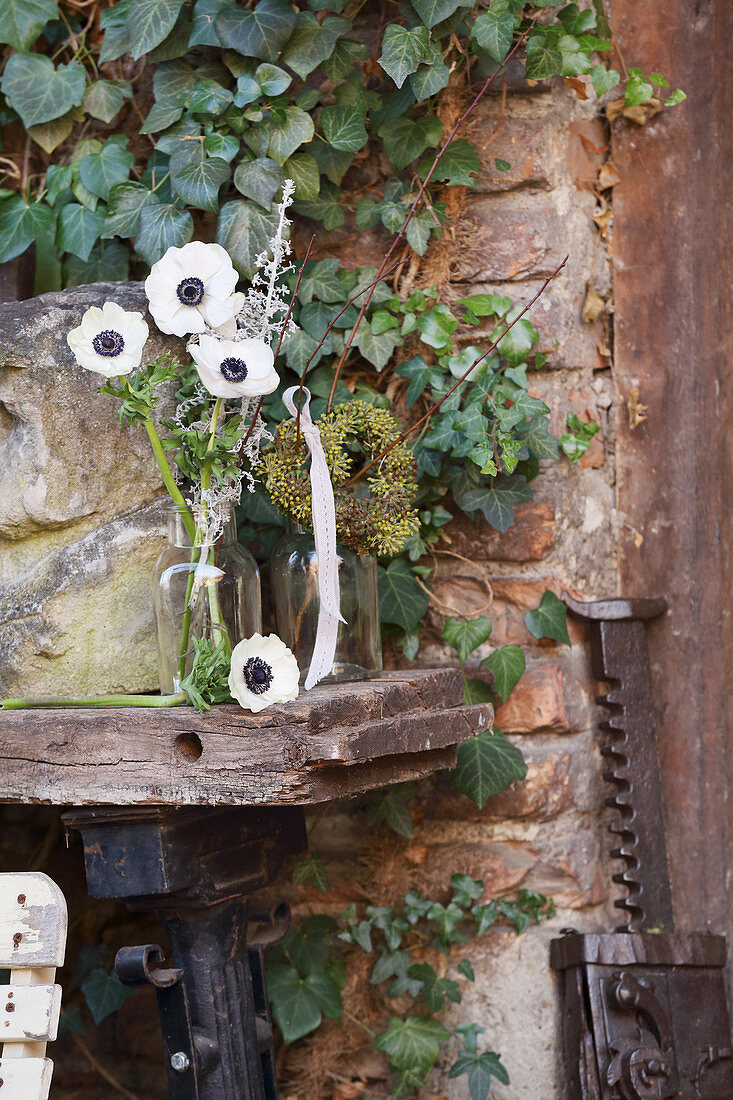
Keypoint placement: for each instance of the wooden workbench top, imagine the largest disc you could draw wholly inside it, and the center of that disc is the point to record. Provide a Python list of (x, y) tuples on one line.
[(333, 741)]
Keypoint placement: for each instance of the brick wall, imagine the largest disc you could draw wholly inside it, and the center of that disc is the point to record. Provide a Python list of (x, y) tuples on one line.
[(545, 834)]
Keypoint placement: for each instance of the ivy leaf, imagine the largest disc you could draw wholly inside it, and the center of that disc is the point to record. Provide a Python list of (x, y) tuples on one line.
[(549, 620), (321, 281), (456, 165), (225, 146), (486, 765), (479, 1068), (198, 183), (287, 136), (507, 665), (38, 91), (272, 79), (312, 42), (160, 117), (346, 53), (603, 79), (412, 1043), (326, 208), (343, 126), (391, 806), (403, 51), (494, 31), (437, 326), (258, 180), (539, 440), (429, 80), (377, 349), (58, 180), (205, 13), (261, 32), (21, 224), (104, 98), (496, 499), (78, 229), (401, 599), (406, 139), (125, 202), (312, 868), (543, 59), (244, 230), (99, 172), (466, 635), (137, 26), (108, 261), (161, 226), (208, 97), (420, 375), (638, 90), (435, 11), (677, 96), (517, 343), (302, 169), (104, 993), (295, 1005), (21, 21)]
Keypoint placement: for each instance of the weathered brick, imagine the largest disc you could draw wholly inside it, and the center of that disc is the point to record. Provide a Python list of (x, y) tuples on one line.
[(545, 793), (537, 704), (508, 238), (530, 537), (586, 151)]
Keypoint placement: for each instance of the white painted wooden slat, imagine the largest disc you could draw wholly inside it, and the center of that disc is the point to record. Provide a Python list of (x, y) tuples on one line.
[(29, 1012), (33, 921), (25, 1078)]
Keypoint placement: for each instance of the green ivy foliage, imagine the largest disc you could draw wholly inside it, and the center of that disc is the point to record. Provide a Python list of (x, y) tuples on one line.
[(306, 975), (156, 120)]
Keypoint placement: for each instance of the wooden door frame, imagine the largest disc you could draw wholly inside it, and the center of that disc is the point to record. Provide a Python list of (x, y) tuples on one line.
[(673, 257)]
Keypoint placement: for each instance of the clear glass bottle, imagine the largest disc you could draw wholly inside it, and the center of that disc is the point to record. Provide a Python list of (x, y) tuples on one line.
[(227, 600), (294, 581)]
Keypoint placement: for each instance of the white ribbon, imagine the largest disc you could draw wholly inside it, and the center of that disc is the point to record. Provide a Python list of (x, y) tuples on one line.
[(324, 534)]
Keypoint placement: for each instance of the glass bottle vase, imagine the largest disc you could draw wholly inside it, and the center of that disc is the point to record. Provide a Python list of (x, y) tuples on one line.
[(294, 581), (193, 599)]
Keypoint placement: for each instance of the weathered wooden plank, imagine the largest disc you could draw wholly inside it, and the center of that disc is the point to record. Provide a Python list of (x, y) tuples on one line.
[(29, 1012), (376, 731), (33, 922), (25, 1078), (673, 245)]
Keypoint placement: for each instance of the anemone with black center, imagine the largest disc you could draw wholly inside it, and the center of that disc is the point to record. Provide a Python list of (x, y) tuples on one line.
[(257, 675), (190, 291), (108, 343), (234, 370)]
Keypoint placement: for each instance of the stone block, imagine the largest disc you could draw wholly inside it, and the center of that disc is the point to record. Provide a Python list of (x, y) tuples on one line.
[(80, 520), (530, 537), (508, 238)]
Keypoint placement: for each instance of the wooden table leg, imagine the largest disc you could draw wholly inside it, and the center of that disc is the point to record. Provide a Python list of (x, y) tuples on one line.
[(195, 866)]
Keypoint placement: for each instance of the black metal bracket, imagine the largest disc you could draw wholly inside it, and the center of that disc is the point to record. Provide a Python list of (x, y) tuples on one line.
[(196, 867)]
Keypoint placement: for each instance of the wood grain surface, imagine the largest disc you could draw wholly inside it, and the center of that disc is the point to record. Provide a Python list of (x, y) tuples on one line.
[(334, 741)]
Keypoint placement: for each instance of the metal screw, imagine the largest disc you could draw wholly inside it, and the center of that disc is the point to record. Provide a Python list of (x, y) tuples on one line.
[(180, 1062)]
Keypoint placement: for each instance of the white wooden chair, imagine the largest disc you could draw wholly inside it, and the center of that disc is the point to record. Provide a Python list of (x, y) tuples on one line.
[(33, 923)]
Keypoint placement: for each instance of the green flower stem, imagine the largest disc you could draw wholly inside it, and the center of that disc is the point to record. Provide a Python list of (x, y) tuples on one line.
[(95, 701), (168, 479), (216, 616)]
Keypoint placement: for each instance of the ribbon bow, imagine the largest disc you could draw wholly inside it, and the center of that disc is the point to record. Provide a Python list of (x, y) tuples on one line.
[(324, 534)]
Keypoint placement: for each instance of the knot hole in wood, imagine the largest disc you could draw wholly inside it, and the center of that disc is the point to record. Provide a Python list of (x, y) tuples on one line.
[(188, 745)]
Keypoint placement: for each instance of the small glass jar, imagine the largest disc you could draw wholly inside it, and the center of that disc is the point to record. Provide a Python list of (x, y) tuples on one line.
[(294, 582), (226, 596)]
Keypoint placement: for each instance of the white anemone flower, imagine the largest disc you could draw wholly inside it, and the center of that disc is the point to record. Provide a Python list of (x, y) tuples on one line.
[(235, 368), (192, 288), (263, 671), (109, 340)]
